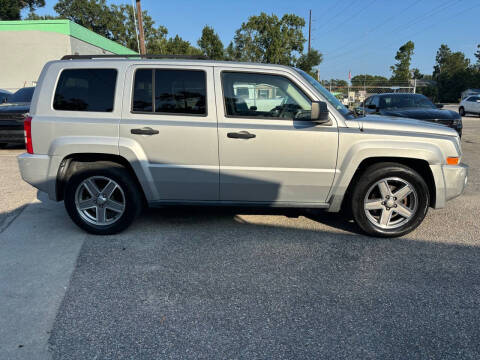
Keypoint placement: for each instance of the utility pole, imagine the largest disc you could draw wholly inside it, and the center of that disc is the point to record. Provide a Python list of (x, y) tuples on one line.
[(309, 30), (140, 29)]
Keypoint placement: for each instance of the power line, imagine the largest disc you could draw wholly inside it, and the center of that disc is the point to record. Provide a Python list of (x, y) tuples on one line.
[(353, 16), (407, 25), (441, 8), (377, 27), (436, 23), (333, 17)]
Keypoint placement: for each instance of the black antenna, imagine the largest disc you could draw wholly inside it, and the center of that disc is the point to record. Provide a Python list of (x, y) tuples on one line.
[(134, 56)]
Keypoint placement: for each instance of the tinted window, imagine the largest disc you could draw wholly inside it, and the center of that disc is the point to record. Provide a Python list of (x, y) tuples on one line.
[(174, 91), (86, 90), (143, 91), (261, 95), (400, 101), (22, 95)]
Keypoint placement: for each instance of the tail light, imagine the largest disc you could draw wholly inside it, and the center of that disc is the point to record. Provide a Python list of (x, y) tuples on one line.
[(27, 126)]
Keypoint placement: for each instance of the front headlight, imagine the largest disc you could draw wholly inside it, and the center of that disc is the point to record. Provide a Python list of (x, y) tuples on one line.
[(457, 121)]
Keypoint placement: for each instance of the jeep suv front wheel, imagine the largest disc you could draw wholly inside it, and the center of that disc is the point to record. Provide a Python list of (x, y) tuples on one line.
[(390, 200), (102, 198)]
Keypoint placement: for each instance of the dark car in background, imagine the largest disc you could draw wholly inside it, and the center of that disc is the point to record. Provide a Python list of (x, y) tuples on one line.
[(12, 114), (413, 106), (4, 95)]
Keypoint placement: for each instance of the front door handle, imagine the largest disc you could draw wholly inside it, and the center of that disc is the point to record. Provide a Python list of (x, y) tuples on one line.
[(144, 131), (241, 135)]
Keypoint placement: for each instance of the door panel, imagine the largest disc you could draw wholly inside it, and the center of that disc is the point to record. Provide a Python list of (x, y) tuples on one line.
[(180, 151), (286, 161)]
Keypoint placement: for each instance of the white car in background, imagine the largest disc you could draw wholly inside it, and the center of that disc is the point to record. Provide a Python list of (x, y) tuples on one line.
[(470, 105)]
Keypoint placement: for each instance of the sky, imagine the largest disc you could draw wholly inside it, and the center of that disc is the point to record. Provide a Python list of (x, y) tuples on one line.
[(361, 36)]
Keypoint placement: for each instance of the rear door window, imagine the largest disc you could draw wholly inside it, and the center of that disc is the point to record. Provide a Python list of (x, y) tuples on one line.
[(86, 90), (170, 91)]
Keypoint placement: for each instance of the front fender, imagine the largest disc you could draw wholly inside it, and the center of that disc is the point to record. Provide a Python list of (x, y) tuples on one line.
[(350, 158)]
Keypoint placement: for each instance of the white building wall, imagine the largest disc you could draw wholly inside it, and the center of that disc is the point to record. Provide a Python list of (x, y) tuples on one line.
[(24, 53), (79, 47)]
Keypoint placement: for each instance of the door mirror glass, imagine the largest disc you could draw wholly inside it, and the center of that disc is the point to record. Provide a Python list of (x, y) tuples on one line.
[(319, 112)]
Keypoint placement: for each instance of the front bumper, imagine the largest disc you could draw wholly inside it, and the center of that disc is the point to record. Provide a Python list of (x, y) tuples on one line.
[(12, 136), (456, 177), (450, 182)]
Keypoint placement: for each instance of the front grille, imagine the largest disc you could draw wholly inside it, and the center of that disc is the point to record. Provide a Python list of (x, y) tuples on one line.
[(12, 116)]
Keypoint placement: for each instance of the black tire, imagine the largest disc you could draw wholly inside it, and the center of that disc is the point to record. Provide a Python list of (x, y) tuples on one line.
[(461, 111), (133, 202), (369, 178)]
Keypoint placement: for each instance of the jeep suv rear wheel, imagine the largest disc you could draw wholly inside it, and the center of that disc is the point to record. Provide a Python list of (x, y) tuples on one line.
[(390, 200), (102, 198)]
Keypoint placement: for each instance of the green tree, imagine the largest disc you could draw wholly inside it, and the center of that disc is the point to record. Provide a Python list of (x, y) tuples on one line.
[(95, 15), (178, 46), (308, 61), (335, 83), (117, 22), (11, 9), (210, 44), (401, 70), (268, 39), (449, 62), (416, 74), (453, 74), (477, 54), (123, 31), (33, 16), (369, 80)]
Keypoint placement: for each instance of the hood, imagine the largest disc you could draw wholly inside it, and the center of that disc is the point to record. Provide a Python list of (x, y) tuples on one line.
[(397, 124), (14, 108), (422, 114)]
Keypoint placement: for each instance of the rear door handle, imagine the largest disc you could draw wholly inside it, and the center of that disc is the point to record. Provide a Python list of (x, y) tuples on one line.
[(144, 131), (241, 135)]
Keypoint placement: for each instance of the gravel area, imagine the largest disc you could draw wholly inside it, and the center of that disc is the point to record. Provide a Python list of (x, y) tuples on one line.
[(196, 283)]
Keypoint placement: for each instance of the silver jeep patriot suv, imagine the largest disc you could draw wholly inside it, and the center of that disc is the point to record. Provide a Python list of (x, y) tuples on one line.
[(108, 135)]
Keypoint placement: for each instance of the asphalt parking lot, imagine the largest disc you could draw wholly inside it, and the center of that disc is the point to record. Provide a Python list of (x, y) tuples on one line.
[(212, 283)]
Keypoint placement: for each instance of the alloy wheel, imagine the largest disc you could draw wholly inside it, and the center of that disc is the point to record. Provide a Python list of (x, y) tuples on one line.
[(390, 203), (100, 200)]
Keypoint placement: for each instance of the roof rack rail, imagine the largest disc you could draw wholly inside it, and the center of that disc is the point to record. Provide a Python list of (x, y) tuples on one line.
[(135, 56)]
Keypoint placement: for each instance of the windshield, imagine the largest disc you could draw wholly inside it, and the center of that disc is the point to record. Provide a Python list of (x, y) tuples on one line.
[(328, 95), (403, 101), (22, 95)]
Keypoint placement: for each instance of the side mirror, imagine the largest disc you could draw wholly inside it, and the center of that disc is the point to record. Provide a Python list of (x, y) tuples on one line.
[(439, 106), (372, 106), (319, 112)]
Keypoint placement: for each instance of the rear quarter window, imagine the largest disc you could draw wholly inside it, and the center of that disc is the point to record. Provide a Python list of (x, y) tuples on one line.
[(86, 90)]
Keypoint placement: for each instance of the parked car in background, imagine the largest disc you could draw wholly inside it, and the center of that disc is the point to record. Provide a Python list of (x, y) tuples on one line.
[(4, 95), (109, 135), (413, 106), (470, 105), (12, 114)]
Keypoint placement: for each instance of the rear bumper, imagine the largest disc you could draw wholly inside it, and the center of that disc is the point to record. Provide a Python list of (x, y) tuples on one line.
[(34, 170)]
